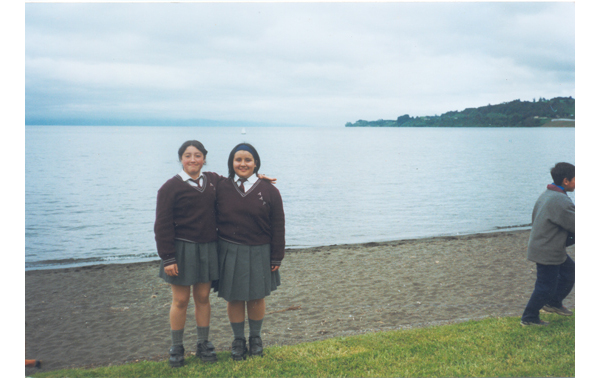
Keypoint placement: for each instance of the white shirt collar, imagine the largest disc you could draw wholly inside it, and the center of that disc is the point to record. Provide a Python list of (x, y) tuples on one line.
[(183, 174), (251, 180)]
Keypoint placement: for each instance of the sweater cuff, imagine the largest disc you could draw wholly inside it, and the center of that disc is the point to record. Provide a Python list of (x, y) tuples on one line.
[(276, 262), (169, 259)]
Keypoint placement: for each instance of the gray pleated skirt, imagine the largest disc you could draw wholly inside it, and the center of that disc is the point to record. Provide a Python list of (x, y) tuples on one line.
[(245, 272), (196, 262)]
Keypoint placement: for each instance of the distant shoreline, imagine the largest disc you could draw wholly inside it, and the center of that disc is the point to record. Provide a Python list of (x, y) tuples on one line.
[(516, 113), (559, 123), (545, 125)]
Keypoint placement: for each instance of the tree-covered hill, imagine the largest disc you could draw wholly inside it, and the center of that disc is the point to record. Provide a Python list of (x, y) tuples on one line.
[(516, 113)]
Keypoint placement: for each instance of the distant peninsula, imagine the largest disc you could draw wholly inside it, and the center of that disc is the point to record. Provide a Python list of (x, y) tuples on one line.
[(557, 112)]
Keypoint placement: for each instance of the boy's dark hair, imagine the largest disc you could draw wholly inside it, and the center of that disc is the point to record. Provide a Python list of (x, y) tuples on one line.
[(243, 147), (562, 171), (194, 143)]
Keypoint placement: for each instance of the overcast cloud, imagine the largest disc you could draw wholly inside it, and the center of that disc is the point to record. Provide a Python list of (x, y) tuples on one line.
[(317, 64)]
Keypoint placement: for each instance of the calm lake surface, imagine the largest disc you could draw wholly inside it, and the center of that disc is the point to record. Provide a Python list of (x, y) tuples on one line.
[(93, 198)]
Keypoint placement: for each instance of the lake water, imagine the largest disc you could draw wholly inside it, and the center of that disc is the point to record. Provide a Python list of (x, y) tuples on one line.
[(90, 192)]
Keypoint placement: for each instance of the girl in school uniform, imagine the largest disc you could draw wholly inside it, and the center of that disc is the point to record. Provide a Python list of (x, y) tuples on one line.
[(251, 229), (186, 240)]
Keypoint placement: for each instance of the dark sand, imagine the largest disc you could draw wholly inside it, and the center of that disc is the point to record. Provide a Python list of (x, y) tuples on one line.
[(113, 314)]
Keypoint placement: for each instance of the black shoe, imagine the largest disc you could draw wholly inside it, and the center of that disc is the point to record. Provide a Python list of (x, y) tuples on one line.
[(256, 347), (557, 310), (206, 351), (538, 323), (176, 359), (238, 349)]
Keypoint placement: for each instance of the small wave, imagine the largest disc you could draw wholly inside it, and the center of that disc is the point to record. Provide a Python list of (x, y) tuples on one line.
[(75, 228), (508, 227), (60, 262), (74, 262), (130, 257), (105, 249)]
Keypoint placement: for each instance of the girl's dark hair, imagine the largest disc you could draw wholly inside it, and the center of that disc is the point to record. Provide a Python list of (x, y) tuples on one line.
[(194, 143), (243, 147), (562, 171)]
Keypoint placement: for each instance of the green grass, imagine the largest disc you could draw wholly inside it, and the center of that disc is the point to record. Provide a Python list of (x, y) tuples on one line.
[(494, 347)]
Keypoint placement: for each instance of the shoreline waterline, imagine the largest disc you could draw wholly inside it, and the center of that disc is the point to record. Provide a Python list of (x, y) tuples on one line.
[(80, 263)]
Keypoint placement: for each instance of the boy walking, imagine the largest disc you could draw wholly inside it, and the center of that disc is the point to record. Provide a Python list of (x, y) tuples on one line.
[(553, 220)]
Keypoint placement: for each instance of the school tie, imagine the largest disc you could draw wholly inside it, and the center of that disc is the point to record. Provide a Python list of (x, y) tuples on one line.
[(197, 181), (242, 181)]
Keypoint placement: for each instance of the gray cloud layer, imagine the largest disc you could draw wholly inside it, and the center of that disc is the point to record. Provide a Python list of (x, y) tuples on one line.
[(300, 63)]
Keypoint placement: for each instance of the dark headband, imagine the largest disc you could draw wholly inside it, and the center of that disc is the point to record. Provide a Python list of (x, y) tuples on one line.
[(244, 147)]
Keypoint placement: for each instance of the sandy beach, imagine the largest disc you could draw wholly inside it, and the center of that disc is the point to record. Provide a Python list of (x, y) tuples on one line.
[(114, 314)]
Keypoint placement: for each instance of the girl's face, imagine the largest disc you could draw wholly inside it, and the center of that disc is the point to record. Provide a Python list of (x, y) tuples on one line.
[(192, 161), (243, 164)]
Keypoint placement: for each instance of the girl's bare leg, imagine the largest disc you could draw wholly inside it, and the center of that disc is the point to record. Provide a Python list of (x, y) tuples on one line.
[(236, 311), (201, 293), (256, 309), (181, 298)]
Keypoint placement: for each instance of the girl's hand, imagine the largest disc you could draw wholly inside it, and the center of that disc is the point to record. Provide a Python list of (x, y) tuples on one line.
[(274, 268), (263, 177), (171, 270)]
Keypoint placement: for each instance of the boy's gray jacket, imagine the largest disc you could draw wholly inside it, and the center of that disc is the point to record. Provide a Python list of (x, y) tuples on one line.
[(553, 218)]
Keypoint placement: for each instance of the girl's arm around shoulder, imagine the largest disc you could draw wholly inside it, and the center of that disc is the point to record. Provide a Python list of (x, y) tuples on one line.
[(214, 175), (268, 179), (214, 179)]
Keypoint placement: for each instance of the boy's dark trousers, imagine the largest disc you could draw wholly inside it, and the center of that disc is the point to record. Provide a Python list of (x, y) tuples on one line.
[(553, 284)]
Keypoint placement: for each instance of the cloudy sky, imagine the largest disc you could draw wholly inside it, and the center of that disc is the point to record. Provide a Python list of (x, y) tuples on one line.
[(316, 64)]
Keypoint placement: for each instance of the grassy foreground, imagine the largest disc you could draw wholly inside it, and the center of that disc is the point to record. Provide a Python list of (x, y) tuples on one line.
[(494, 347)]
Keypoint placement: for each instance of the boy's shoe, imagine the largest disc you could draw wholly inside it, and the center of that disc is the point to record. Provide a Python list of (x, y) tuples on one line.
[(556, 310), (238, 349), (176, 356), (206, 351), (539, 323), (256, 347)]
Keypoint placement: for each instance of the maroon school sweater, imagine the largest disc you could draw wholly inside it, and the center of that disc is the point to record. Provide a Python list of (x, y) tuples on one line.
[(185, 212), (252, 218)]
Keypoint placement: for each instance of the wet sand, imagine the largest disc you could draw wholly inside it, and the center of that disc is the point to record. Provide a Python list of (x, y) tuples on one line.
[(113, 314)]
